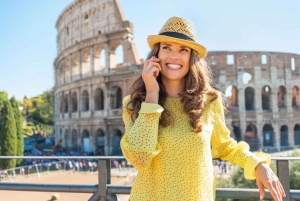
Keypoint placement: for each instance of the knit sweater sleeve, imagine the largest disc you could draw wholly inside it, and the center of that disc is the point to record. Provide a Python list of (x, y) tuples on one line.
[(139, 143), (226, 148)]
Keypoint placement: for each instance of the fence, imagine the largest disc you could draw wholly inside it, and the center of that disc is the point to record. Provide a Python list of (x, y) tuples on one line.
[(105, 191)]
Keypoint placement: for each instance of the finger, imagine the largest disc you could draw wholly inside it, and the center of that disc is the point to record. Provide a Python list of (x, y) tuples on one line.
[(151, 64), (282, 189), (261, 189), (274, 193), (153, 71)]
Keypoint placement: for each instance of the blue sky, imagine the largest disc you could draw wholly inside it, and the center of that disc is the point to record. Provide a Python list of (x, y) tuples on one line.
[(28, 34)]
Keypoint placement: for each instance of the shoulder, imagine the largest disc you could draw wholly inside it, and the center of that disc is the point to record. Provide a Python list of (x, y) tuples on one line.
[(215, 101), (126, 100)]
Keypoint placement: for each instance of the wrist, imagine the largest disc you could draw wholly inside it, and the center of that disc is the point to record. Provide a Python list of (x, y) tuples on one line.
[(152, 97)]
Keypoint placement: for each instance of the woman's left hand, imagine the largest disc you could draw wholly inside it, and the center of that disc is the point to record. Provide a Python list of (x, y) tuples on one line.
[(266, 178)]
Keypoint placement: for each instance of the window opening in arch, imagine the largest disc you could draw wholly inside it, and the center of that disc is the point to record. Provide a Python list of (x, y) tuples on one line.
[(99, 59), (66, 137), (281, 93), (66, 103), (268, 135), (297, 134), (99, 99), (293, 63), (251, 137), (85, 101), (231, 94), (74, 140), (264, 59), (74, 102), (116, 98), (61, 108), (249, 98), (119, 56), (116, 139), (266, 98), (247, 77), (75, 66), (86, 18), (230, 59), (86, 141), (284, 141), (100, 142), (86, 63), (295, 97)]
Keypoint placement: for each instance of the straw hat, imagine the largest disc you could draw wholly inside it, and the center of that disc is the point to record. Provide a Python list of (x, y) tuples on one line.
[(178, 30)]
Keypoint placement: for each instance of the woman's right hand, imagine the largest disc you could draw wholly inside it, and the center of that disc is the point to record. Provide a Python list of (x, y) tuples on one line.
[(149, 74)]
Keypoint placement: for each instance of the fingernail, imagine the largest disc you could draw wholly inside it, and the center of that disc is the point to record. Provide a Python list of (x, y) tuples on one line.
[(260, 197)]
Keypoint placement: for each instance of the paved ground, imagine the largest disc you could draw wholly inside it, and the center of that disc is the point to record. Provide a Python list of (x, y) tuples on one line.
[(120, 177), (65, 178)]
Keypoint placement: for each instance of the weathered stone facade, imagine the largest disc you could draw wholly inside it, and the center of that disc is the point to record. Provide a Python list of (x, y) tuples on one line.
[(90, 85), (263, 96)]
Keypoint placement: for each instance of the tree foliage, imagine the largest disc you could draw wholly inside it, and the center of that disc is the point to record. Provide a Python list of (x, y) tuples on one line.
[(19, 126), (39, 109), (8, 134)]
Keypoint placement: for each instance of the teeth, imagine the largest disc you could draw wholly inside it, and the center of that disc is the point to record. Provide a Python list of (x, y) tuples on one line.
[(174, 66)]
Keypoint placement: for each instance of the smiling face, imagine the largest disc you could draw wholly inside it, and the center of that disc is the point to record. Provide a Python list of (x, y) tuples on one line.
[(174, 60)]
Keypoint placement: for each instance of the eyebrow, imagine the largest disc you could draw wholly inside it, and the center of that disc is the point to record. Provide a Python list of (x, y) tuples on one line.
[(182, 46)]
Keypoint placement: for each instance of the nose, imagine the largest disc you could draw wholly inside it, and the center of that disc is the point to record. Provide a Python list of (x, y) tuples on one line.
[(174, 56)]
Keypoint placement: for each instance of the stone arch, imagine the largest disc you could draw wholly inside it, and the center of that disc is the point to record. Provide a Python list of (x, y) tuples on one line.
[(61, 73), (74, 102), (251, 137), (231, 93), (284, 136), (66, 103), (100, 142), (67, 69), (297, 134), (99, 99), (85, 101), (295, 96), (116, 98), (249, 98), (119, 52), (75, 66), (268, 135), (61, 104), (74, 137), (266, 97), (86, 62), (65, 139), (85, 140), (99, 59), (237, 133), (115, 142), (281, 93)]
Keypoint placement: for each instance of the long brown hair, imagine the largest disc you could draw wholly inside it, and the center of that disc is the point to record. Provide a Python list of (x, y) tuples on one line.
[(198, 86)]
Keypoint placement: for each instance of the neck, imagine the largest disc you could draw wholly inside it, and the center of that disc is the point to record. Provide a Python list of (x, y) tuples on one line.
[(174, 87)]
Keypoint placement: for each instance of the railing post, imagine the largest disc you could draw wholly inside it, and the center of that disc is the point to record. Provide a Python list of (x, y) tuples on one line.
[(102, 179), (284, 177)]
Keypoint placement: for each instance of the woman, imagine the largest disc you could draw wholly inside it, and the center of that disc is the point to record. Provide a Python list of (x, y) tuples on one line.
[(174, 124)]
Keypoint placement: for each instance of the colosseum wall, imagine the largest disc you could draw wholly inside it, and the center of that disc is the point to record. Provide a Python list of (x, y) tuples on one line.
[(262, 88)]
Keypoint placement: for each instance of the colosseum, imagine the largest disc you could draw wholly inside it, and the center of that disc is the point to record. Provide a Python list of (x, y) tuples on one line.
[(97, 62)]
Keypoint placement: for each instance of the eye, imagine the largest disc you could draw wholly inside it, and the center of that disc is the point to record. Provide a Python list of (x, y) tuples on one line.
[(184, 50), (165, 47)]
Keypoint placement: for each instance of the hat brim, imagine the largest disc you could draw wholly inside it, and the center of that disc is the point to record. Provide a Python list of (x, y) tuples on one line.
[(153, 39)]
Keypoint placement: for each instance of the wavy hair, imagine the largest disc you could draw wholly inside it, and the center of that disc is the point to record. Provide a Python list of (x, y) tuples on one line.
[(197, 89)]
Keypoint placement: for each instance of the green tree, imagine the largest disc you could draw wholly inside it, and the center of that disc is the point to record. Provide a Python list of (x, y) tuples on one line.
[(19, 126), (8, 135)]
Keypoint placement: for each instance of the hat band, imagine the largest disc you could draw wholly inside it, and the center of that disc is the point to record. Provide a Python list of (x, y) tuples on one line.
[(177, 35)]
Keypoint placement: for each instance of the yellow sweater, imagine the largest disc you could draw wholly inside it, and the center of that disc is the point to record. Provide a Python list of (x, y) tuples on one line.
[(175, 163)]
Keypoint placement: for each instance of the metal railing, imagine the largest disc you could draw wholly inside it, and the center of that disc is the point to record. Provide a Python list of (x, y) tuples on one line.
[(106, 191)]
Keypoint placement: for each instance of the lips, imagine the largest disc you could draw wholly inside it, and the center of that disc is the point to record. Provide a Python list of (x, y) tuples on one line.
[(174, 66)]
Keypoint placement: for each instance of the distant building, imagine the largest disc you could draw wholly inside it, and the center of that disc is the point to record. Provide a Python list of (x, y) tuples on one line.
[(262, 87)]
